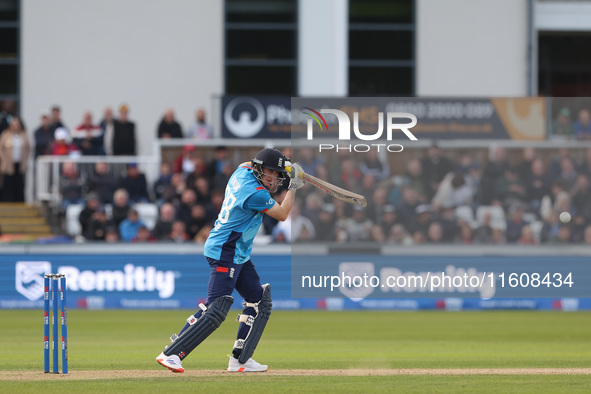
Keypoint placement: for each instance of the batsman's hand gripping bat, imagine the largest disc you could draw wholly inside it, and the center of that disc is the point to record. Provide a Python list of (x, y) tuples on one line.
[(332, 190)]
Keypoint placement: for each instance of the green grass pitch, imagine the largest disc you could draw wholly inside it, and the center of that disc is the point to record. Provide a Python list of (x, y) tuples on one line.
[(111, 341)]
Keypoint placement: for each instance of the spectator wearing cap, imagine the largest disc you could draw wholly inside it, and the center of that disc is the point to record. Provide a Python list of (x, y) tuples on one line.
[(562, 127), (169, 127), (88, 137), (61, 143), (124, 142), (200, 130), (135, 184), (43, 136), (129, 227)]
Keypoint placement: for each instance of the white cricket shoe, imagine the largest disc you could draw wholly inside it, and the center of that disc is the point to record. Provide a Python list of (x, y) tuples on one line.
[(171, 362), (250, 366)]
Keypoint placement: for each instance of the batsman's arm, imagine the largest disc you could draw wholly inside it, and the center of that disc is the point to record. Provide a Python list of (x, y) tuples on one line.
[(281, 211)]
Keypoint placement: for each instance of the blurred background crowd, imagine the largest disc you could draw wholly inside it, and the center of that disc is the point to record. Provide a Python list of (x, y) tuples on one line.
[(434, 195)]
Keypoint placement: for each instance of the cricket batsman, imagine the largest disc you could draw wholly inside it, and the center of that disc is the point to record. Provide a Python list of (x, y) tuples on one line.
[(227, 249)]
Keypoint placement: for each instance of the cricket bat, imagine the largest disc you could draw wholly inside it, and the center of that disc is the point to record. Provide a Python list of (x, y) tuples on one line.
[(332, 190)]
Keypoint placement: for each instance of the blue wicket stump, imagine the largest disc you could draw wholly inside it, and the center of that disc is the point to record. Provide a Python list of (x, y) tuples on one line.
[(56, 284)]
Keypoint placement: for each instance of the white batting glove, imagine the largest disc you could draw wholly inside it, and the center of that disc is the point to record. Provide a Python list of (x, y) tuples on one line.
[(297, 177)]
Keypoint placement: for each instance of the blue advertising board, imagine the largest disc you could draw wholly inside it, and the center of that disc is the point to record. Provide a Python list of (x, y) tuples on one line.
[(172, 281)]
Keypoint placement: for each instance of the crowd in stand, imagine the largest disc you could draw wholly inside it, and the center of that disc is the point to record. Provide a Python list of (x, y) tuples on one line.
[(434, 200)]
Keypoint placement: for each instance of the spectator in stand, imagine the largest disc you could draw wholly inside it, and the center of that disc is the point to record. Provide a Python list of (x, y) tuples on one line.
[(555, 166), (143, 235), (199, 171), (509, 189), (135, 184), (515, 225), (188, 199), (200, 130), (98, 226), (202, 191), (374, 210), (484, 232), (434, 168), (221, 179), (216, 165), (129, 227), (308, 160), (169, 127), (581, 199), (163, 225), (550, 227), (56, 118), (120, 206), (178, 187), (197, 220), (44, 136), (582, 127), (88, 137), (357, 228), (163, 189), (61, 145), (14, 159), (527, 236), (107, 126), (399, 236), (124, 142), (524, 170), (92, 205), (453, 191), (435, 233), (184, 162), (372, 164), (585, 166), (350, 176), (302, 228), (563, 236), (466, 235), (178, 233), (325, 225), (568, 173), (494, 170), (407, 207), (102, 182), (562, 127), (414, 178), (71, 185), (112, 235), (538, 184)]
